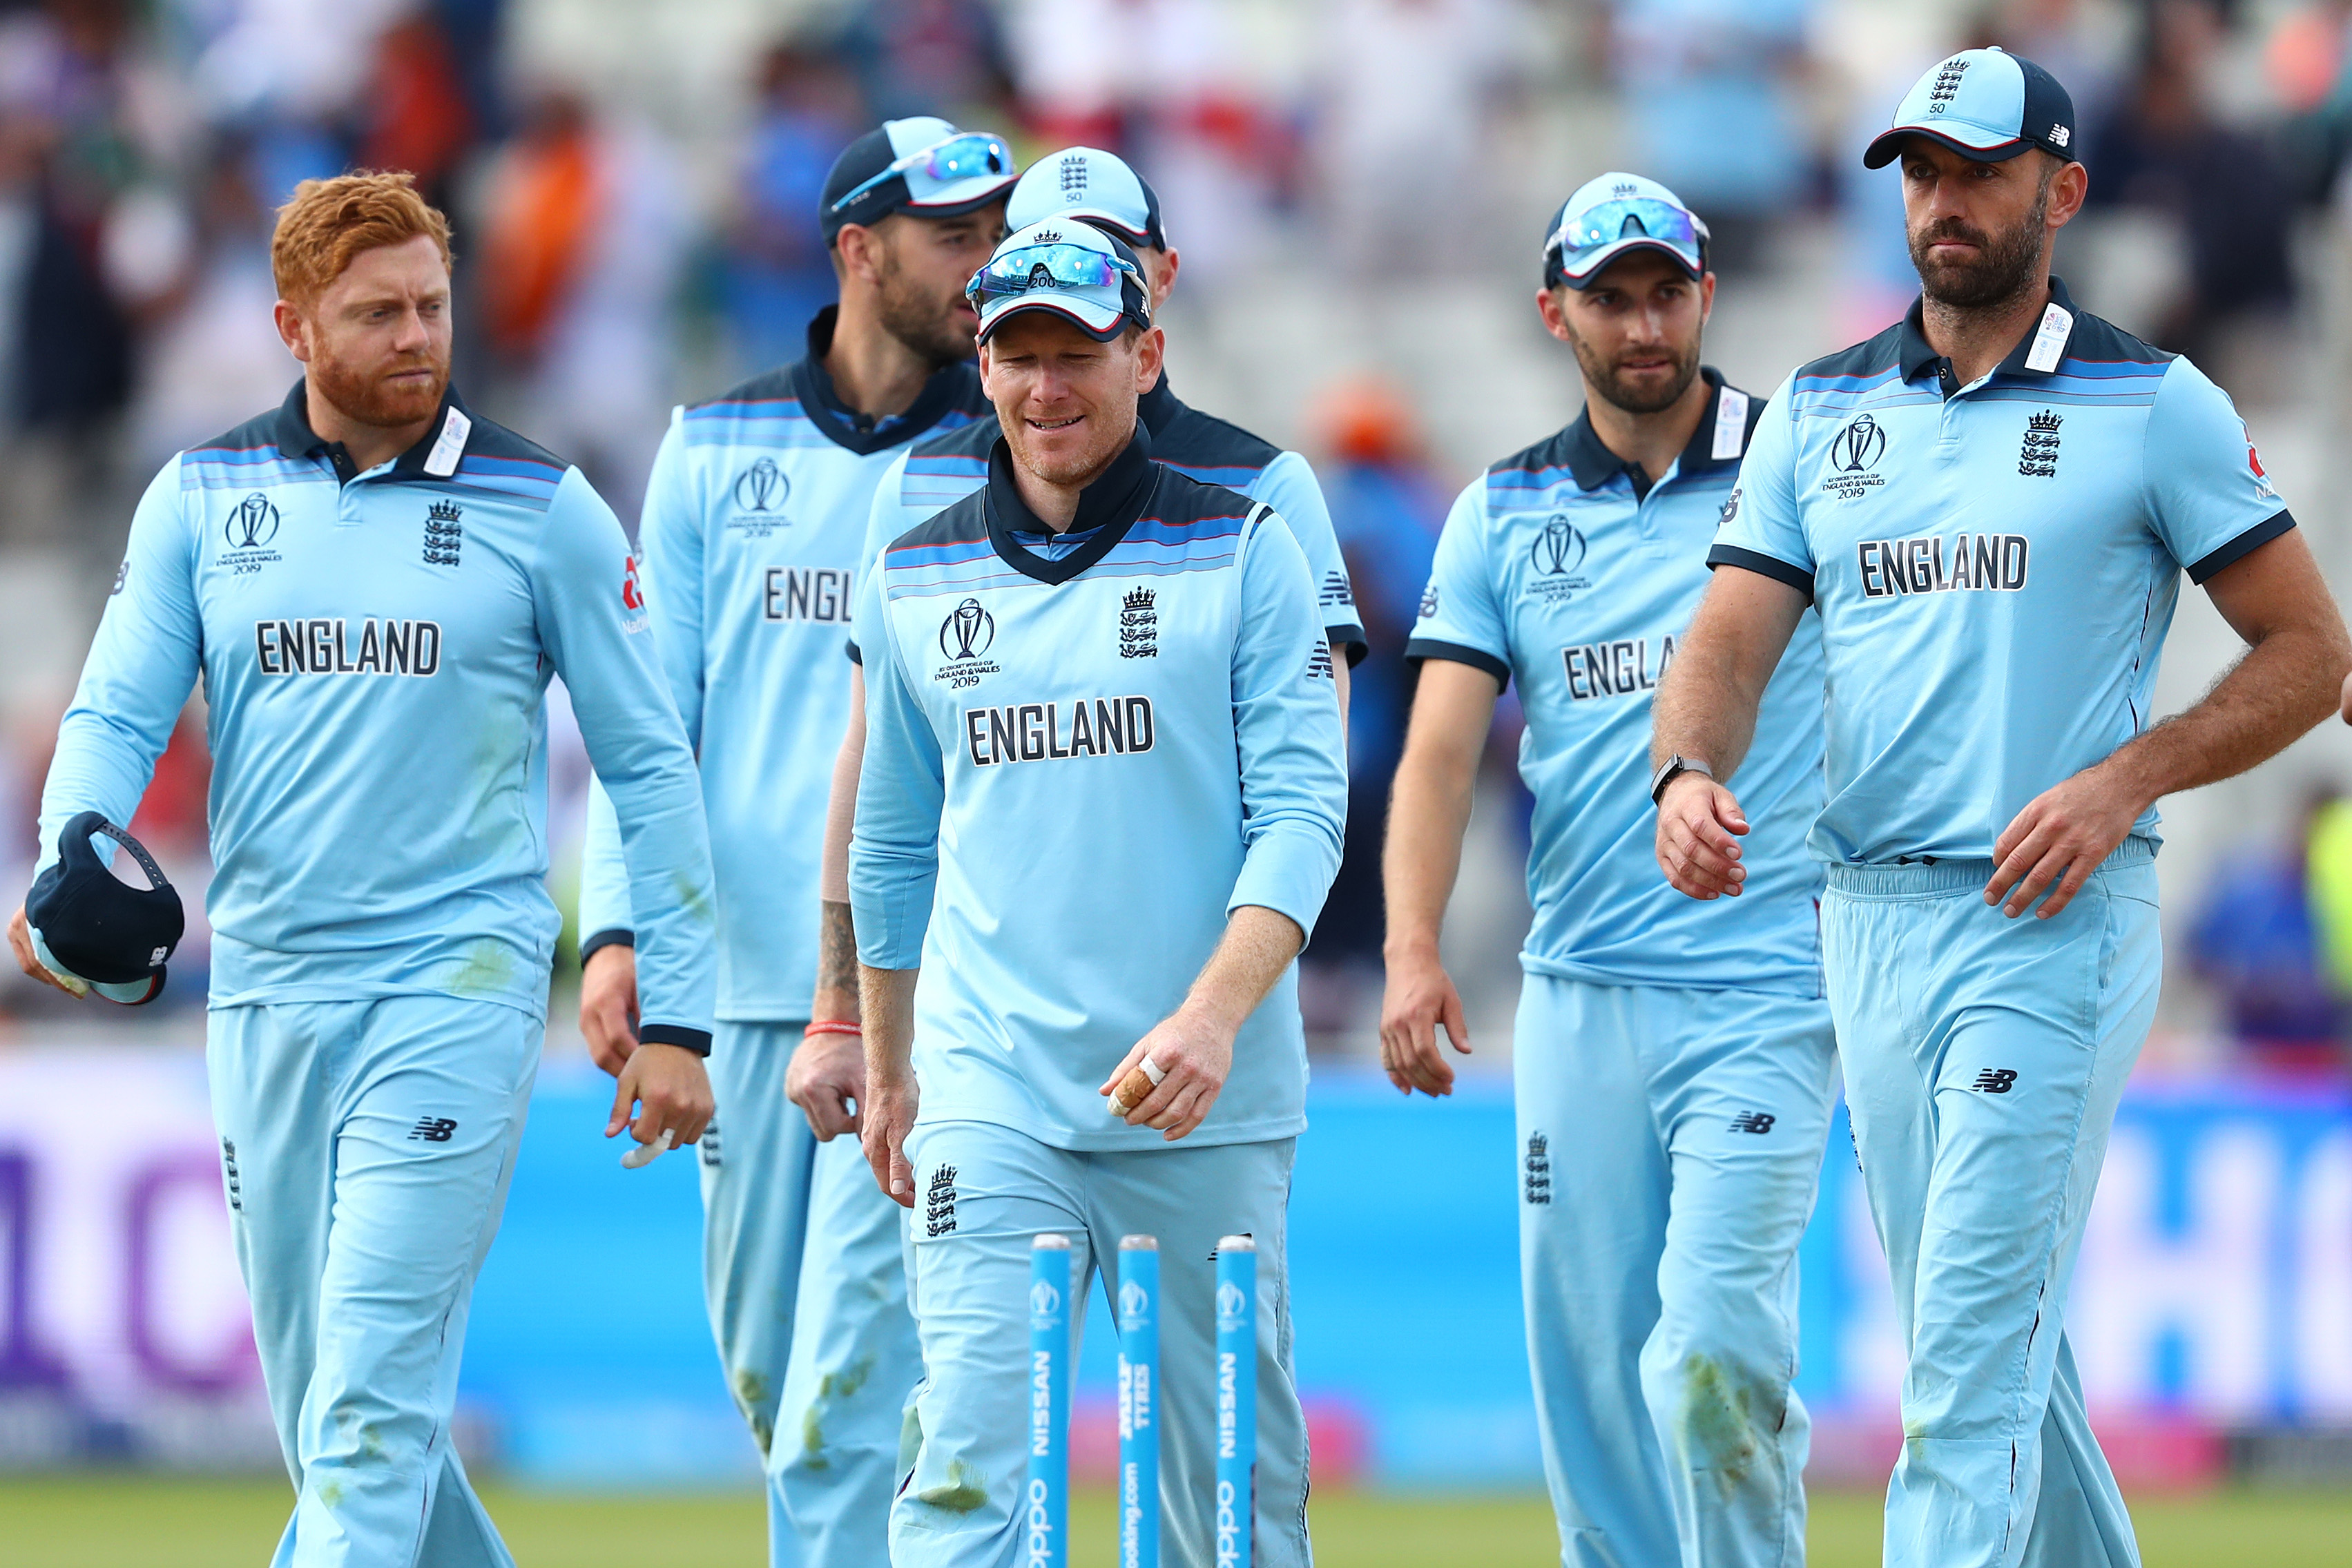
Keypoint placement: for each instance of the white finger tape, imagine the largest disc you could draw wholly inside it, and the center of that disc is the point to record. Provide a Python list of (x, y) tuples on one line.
[(646, 1154), (1153, 1070)]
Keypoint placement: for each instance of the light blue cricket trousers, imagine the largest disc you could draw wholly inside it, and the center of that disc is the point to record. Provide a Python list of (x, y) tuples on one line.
[(984, 1191), (805, 1276), (1984, 1058), (1670, 1145), (366, 1147)]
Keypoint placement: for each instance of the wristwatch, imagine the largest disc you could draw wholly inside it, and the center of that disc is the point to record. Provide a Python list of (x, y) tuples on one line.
[(1672, 768)]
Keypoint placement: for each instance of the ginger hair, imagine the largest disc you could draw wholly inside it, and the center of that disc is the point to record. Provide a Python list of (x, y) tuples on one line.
[(327, 222)]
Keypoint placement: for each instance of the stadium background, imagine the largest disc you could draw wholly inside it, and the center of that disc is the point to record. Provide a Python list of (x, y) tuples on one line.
[(1357, 187)]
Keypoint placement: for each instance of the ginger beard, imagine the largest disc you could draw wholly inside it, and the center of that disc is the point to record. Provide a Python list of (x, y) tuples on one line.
[(386, 391), (1065, 420)]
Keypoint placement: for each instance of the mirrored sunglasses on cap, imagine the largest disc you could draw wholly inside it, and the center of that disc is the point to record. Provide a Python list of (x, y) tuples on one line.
[(966, 155), (1583, 236), (1043, 267)]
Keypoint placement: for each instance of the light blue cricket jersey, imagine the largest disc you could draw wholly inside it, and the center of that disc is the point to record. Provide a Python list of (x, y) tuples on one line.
[(754, 519), (375, 649), (934, 474), (1560, 568), (1995, 565), (1094, 748)]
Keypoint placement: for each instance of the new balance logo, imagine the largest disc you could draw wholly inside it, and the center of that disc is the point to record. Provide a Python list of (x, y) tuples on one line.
[(1994, 1081), (433, 1129), (1318, 663), (939, 1203), (709, 1145), (1538, 1168), (1335, 590), (1756, 1122), (228, 1173)]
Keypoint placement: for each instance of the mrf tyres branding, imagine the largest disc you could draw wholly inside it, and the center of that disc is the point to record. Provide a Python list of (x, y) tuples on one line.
[(338, 646)]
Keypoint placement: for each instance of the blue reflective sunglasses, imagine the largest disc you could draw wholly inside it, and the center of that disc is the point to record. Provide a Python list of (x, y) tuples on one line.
[(1582, 234), (1055, 266), (967, 155)]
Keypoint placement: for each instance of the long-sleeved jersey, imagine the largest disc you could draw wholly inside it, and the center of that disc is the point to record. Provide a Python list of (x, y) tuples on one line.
[(754, 523), (376, 648), (1094, 745), (934, 474)]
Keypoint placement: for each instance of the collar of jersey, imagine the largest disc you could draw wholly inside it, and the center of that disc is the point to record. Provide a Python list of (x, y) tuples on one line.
[(949, 388), (1159, 407), (1918, 359), (295, 438), (1108, 507), (1593, 464)]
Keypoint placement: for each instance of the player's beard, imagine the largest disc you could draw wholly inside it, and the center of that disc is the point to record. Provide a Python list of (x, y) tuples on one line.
[(366, 397), (1066, 465), (1607, 377), (2005, 267), (937, 331)]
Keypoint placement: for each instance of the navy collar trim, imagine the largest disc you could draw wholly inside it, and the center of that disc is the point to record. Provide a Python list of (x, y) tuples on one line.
[(1158, 408), (863, 433), (434, 457), (1593, 464), (1107, 510), (1918, 358)]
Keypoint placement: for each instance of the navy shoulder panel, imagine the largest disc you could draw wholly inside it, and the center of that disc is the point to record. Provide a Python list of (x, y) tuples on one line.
[(1552, 452), (490, 439), (1181, 499), (2101, 342), (1197, 440), (971, 439), (260, 431), (768, 386), (965, 522), (1871, 357)]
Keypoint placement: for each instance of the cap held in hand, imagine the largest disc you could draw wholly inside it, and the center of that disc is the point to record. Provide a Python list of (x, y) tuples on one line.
[(96, 932)]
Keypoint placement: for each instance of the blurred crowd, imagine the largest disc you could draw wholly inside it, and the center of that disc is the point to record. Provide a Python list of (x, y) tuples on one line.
[(623, 247)]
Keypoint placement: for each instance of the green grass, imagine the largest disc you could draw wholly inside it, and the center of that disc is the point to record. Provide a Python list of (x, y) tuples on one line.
[(137, 1522)]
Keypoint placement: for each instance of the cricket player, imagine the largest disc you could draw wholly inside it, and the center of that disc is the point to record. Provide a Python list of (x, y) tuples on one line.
[(1990, 506), (1101, 729), (752, 535), (1673, 1060), (376, 587)]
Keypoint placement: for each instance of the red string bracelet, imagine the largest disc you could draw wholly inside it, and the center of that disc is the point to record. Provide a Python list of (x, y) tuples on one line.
[(831, 1026)]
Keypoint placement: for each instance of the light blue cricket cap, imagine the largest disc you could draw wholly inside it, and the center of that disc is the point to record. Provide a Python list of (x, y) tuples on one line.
[(1987, 105), (1090, 183), (1612, 214), (1013, 281)]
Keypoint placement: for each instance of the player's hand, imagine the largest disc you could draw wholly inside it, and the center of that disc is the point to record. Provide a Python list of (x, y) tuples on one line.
[(2063, 835), (1193, 1054), (1419, 998), (20, 941), (888, 1113), (1699, 828), (608, 1006), (826, 1079), (671, 1090)]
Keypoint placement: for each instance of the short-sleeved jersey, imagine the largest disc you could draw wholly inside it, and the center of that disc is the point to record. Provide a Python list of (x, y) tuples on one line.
[(754, 519), (1995, 565), (375, 649), (933, 474), (1093, 748), (1560, 568)]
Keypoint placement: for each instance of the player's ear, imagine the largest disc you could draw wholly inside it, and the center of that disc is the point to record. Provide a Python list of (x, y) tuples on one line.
[(292, 331), (1551, 304), (1706, 297), (1150, 349)]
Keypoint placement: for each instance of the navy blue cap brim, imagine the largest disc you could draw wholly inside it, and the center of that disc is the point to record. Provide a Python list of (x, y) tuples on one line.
[(1887, 146)]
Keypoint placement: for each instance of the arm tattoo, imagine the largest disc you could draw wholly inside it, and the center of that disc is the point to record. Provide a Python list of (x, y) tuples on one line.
[(836, 964)]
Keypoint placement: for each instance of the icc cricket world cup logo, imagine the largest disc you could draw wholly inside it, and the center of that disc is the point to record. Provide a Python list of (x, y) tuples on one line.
[(1230, 1302), (968, 632), (1858, 446), (1044, 1302), (761, 487), (253, 525), (1559, 548)]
